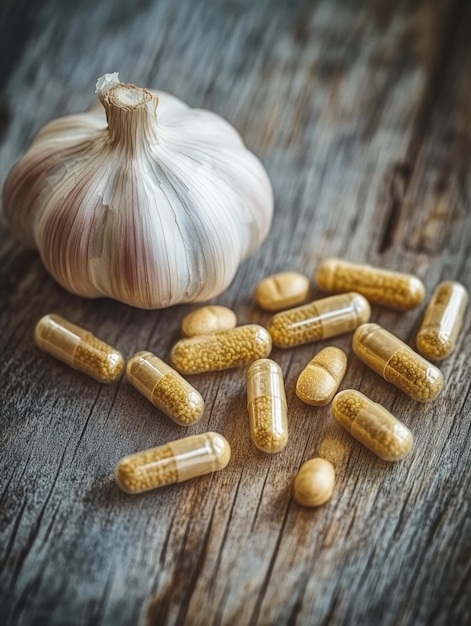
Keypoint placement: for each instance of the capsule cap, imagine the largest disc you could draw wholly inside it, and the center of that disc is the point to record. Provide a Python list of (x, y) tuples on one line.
[(265, 378)]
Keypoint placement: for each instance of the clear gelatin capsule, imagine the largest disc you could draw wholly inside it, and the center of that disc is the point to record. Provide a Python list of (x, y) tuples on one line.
[(165, 388), (78, 348), (173, 462), (266, 404), (281, 291), (391, 289), (222, 350), (392, 359), (318, 382), (318, 320), (442, 321), (372, 425)]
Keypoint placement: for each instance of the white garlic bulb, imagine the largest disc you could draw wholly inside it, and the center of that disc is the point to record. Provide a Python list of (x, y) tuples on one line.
[(154, 205)]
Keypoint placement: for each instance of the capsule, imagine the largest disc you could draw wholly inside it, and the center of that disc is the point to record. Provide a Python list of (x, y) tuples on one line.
[(442, 321), (222, 350), (281, 291), (78, 348), (266, 404), (372, 425), (314, 483), (390, 289), (318, 320), (173, 462), (208, 319), (392, 359), (318, 382), (165, 388)]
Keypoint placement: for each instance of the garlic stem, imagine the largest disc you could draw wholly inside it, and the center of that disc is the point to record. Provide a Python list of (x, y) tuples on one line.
[(131, 112)]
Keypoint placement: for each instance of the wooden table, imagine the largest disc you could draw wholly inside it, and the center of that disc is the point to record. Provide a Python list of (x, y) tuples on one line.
[(360, 112)]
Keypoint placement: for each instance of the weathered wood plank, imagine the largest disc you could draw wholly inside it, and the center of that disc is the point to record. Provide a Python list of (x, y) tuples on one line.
[(360, 112)]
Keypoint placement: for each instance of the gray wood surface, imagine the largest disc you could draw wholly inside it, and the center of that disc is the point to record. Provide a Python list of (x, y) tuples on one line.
[(361, 114)]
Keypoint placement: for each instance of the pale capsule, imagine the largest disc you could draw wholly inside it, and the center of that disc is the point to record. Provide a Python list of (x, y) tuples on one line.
[(78, 348), (173, 462), (222, 350), (372, 425), (314, 483), (442, 321), (392, 359), (393, 289), (165, 388), (318, 320), (208, 319), (281, 291), (266, 404), (318, 382)]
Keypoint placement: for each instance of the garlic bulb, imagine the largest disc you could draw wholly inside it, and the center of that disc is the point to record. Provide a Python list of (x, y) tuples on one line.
[(152, 205)]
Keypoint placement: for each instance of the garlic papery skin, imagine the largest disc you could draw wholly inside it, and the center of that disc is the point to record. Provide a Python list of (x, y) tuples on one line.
[(141, 199)]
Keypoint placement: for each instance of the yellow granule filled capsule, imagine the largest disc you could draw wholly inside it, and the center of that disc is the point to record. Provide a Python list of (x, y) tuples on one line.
[(78, 348), (173, 462), (318, 382), (372, 425), (208, 319), (222, 350), (281, 291), (318, 320), (165, 388), (392, 359), (266, 404), (314, 483), (442, 321), (392, 289)]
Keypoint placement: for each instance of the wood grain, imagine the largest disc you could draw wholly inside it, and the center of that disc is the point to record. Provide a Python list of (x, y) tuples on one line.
[(360, 113)]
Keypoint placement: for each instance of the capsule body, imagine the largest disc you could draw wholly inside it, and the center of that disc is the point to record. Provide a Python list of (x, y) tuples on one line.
[(173, 462), (314, 483), (78, 348), (266, 404), (222, 350), (165, 388), (208, 319), (318, 320), (318, 382), (372, 425), (281, 291), (442, 321), (392, 359), (391, 289)]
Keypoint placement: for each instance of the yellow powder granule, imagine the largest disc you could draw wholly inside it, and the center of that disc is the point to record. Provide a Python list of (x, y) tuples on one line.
[(147, 470), (413, 376), (442, 321), (177, 399), (292, 328), (98, 359), (78, 348), (433, 346), (320, 319), (267, 431), (384, 287), (392, 359), (333, 450), (372, 425), (222, 350)]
